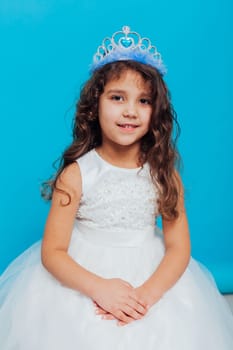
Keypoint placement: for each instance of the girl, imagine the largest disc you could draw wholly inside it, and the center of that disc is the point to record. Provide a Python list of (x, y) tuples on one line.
[(108, 278)]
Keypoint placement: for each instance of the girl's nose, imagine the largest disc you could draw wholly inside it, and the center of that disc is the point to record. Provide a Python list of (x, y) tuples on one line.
[(130, 112)]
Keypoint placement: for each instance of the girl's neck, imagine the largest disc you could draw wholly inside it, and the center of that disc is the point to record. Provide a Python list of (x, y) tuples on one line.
[(120, 156)]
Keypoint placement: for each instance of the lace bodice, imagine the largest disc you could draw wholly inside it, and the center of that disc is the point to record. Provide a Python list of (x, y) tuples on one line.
[(114, 197)]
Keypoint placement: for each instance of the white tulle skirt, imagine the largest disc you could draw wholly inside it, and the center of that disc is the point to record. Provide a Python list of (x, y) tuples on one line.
[(38, 313)]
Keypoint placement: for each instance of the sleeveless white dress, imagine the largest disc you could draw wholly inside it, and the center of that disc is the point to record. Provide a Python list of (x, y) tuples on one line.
[(114, 236)]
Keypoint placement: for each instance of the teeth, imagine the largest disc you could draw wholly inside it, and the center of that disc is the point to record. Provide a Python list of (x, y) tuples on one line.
[(128, 126)]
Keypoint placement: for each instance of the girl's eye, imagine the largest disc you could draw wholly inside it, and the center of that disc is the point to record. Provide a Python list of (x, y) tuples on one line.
[(145, 101), (117, 98)]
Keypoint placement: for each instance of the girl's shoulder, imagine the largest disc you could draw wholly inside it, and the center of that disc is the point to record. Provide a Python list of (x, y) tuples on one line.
[(70, 177), (86, 158), (90, 169)]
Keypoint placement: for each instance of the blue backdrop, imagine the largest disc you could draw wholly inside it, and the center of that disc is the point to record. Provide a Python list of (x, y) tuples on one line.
[(46, 47)]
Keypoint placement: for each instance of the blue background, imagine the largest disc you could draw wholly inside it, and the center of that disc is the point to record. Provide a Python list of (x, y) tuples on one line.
[(46, 47)]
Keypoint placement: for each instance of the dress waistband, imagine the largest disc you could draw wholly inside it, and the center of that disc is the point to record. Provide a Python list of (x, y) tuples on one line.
[(114, 237)]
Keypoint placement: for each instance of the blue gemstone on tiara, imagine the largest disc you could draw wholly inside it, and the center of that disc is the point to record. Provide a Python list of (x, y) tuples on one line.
[(127, 45)]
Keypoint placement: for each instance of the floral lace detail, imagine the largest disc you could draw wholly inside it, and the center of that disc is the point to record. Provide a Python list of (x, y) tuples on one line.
[(105, 204)]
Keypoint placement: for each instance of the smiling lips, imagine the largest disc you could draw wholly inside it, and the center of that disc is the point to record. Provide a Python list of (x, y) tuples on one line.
[(127, 126)]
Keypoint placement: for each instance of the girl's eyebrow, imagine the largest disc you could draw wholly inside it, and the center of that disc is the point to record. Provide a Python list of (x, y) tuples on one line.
[(117, 91)]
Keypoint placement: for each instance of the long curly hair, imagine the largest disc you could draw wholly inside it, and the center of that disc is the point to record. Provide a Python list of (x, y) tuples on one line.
[(157, 147)]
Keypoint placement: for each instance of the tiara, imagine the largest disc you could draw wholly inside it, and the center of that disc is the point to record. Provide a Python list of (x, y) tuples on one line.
[(126, 45)]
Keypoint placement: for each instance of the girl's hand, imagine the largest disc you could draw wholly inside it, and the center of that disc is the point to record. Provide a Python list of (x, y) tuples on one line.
[(141, 293), (116, 299), (105, 314)]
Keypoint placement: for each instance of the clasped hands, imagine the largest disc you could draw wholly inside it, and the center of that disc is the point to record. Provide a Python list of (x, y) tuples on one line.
[(117, 299)]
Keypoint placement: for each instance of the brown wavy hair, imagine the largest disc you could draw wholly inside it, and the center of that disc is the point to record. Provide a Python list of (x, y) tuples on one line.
[(158, 146)]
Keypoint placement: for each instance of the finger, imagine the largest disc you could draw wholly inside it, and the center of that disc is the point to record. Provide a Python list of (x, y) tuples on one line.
[(99, 311), (137, 307), (134, 297), (131, 312), (121, 316), (121, 323), (108, 317), (96, 304)]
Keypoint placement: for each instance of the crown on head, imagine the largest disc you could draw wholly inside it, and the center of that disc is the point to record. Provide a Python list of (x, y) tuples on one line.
[(127, 45)]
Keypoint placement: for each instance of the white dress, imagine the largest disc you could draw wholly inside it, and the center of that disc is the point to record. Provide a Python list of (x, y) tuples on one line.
[(114, 236)]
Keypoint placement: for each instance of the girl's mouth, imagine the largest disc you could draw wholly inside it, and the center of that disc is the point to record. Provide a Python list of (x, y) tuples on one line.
[(127, 126)]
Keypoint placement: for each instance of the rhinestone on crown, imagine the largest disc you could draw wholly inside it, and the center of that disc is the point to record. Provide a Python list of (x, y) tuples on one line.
[(127, 45)]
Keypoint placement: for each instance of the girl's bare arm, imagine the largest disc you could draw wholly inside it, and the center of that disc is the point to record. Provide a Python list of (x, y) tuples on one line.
[(113, 295), (58, 231), (175, 260)]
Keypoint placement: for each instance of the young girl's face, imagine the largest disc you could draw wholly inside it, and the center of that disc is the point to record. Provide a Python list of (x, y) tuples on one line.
[(125, 110)]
